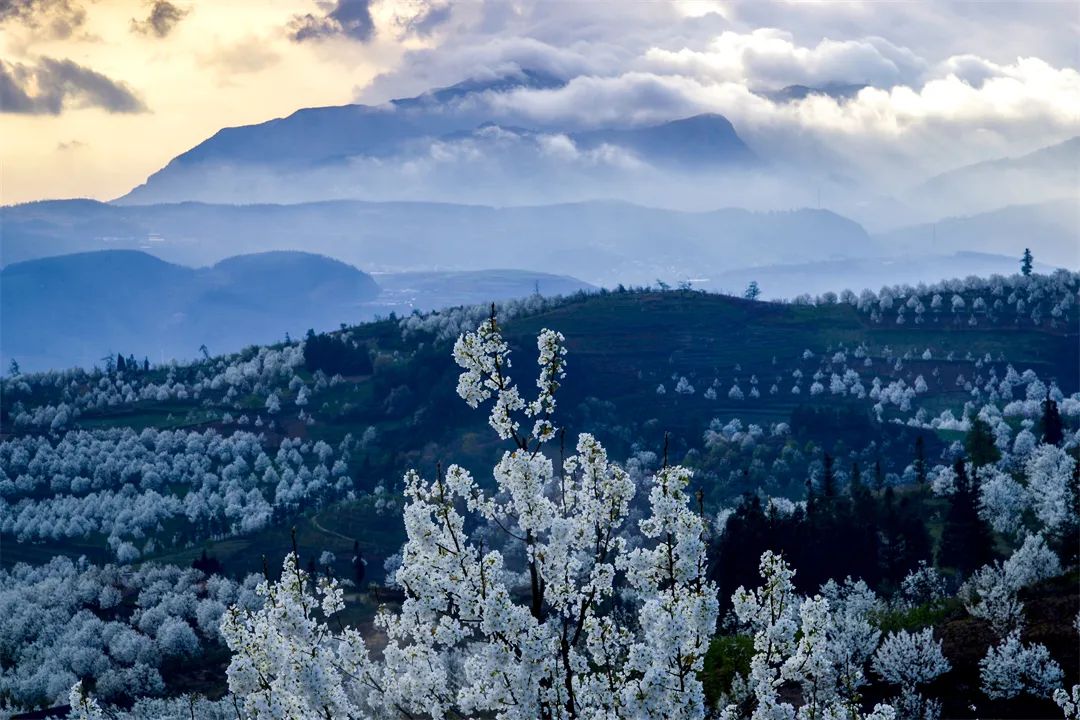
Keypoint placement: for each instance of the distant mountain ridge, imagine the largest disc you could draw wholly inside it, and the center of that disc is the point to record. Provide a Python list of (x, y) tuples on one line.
[(598, 242), (74, 309), (234, 163), (58, 309), (1049, 173), (1050, 229)]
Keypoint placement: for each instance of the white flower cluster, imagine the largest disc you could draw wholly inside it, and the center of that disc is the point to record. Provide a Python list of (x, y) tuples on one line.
[(821, 643), (72, 393), (126, 484), (63, 621), (991, 593), (997, 300), (1013, 668), (588, 627)]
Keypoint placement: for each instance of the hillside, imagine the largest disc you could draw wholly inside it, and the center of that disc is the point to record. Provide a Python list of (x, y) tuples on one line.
[(603, 243), (623, 347), (233, 458)]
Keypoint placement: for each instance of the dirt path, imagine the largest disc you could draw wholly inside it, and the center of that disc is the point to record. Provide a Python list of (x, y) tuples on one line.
[(320, 528)]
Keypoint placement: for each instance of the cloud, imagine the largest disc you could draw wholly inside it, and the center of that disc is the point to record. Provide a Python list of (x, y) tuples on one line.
[(248, 55), (163, 17), (946, 85), (53, 86), (429, 20), (55, 19), (345, 18), (1000, 31), (770, 58)]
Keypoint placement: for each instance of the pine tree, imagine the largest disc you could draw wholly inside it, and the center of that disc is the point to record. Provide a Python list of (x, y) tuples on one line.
[(752, 291), (828, 482), (121, 363), (879, 476), (1026, 262), (966, 540), (863, 506), (920, 461), (980, 444), (13, 368), (1053, 430)]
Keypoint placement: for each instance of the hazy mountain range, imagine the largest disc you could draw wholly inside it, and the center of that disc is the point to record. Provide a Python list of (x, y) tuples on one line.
[(1051, 173), (75, 309), (599, 242)]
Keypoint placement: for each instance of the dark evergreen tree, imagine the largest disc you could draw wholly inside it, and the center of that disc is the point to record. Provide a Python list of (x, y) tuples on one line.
[(1026, 262), (13, 368), (966, 540), (121, 363), (920, 461), (828, 479), (904, 539), (334, 354), (146, 364), (863, 505), (980, 444), (1053, 430)]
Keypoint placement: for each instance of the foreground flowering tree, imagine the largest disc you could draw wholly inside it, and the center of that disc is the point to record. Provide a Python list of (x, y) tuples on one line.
[(821, 644), (576, 614)]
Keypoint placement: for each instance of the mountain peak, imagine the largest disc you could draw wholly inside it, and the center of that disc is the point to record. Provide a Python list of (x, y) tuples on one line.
[(521, 78)]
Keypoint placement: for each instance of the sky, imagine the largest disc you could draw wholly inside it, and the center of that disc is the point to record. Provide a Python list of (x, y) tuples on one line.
[(97, 94)]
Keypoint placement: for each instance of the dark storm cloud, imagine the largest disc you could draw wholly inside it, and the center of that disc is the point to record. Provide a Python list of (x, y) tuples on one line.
[(59, 85), (58, 18), (346, 18), (163, 17)]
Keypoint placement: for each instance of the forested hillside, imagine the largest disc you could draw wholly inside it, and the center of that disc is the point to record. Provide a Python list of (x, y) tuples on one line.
[(809, 428)]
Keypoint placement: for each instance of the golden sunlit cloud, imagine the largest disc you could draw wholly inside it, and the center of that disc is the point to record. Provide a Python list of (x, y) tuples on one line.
[(192, 68)]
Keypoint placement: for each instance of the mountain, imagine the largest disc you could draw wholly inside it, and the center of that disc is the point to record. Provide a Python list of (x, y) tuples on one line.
[(1051, 229), (77, 308), (361, 151), (1047, 174), (791, 93), (707, 140), (599, 242)]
